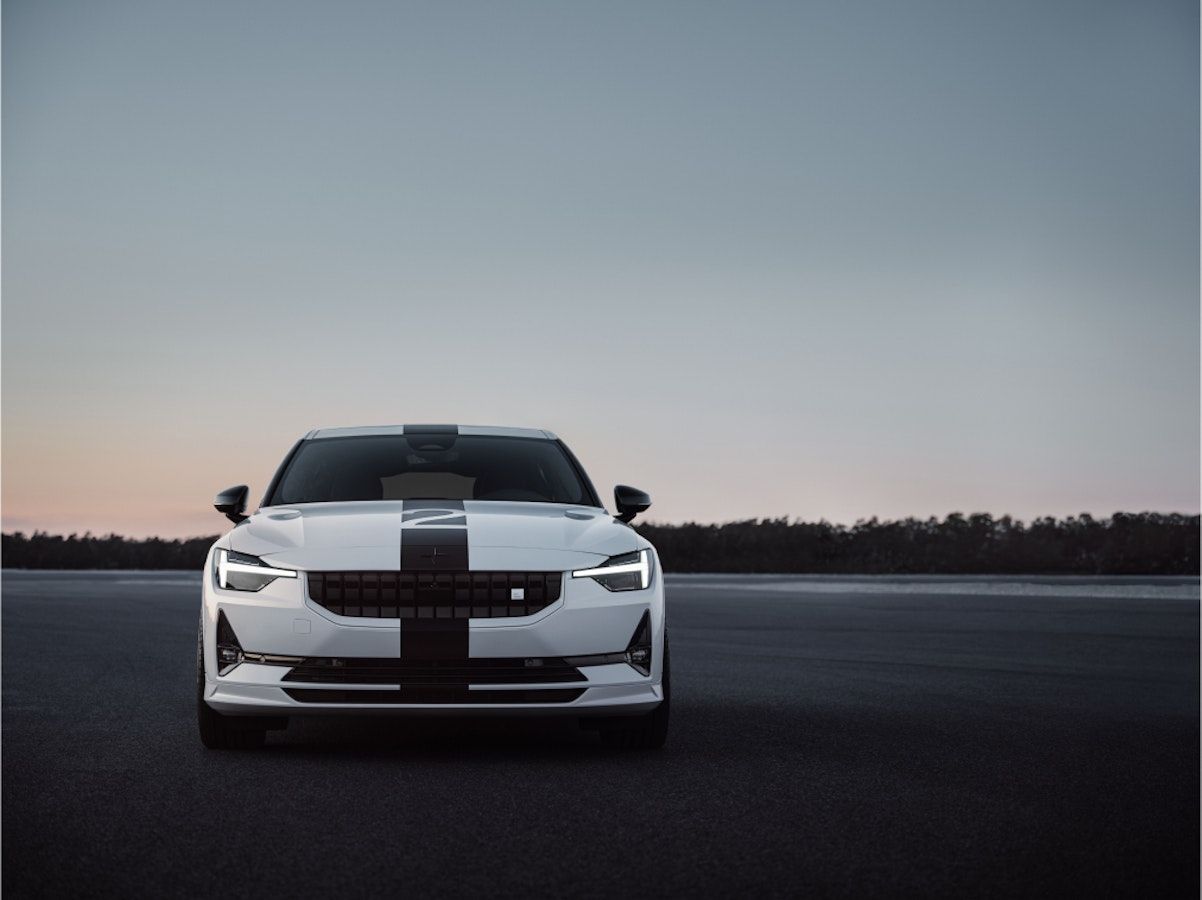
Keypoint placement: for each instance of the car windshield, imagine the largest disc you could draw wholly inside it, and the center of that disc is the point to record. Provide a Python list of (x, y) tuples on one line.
[(430, 466)]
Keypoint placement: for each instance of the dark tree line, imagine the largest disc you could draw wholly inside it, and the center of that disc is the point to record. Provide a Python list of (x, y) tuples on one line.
[(88, 551), (1127, 543)]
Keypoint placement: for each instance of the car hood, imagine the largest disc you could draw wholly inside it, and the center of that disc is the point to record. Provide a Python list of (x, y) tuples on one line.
[(369, 535)]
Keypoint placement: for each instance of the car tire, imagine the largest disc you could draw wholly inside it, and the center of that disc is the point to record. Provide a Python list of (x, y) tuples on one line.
[(218, 732), (648, 731)]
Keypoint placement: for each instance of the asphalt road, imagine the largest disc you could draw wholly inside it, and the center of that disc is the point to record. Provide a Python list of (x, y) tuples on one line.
[(829, 736)]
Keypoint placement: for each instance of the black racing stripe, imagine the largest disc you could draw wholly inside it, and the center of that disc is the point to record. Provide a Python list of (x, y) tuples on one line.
[(434, 540), (444, 640), (433, 536), (434, 550)]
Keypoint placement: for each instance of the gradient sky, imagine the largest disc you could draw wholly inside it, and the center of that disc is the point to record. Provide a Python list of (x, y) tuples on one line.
[(811, 259)]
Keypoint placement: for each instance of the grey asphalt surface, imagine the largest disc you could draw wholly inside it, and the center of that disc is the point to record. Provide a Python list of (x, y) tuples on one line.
[(837, 737)]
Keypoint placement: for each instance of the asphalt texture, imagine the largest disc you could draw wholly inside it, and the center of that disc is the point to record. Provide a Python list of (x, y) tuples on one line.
[(834, 737)]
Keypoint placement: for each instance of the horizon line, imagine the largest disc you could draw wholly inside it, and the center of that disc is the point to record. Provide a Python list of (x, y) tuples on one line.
[(791, 520)]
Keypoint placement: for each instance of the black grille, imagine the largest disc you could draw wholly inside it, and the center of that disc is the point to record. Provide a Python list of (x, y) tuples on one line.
[(363, 670), (433, 595), (433, 694)]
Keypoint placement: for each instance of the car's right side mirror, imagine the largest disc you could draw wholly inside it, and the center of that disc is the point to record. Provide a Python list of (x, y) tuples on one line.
[(231, 503), (630, 501)]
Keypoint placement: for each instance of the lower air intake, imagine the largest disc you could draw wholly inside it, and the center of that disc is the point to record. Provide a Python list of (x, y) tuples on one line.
[(459, 672), (432, 694)]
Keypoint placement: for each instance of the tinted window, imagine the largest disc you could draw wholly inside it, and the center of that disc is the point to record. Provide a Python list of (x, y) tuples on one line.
[(440, 467)]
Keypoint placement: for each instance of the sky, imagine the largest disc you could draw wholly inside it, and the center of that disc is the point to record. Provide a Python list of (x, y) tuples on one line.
[(819, 260)]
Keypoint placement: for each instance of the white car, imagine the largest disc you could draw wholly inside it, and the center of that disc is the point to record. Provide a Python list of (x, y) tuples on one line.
[(432, 569)]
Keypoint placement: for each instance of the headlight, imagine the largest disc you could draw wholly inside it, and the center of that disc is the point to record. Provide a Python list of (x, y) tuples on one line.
[(628, 572), (239, 572)]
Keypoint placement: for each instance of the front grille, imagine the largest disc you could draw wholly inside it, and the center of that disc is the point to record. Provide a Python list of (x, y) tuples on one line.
[(434, 595), (432, 694), (462, 672)]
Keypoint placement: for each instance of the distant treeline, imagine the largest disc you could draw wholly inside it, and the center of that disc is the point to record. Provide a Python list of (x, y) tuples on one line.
[(88, 551), (1127, 543)]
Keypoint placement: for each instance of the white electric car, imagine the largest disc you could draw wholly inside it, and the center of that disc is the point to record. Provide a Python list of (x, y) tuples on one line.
[(421, 569)]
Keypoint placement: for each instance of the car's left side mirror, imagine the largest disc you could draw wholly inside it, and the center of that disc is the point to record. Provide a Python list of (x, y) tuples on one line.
[(630, 502), (232, 503)]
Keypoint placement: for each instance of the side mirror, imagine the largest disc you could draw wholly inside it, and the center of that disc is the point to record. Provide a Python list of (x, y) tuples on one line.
[(630, 502), (232, 503)]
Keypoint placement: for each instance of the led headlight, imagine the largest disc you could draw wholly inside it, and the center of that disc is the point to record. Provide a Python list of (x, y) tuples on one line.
[(239, 572), (628, 572)]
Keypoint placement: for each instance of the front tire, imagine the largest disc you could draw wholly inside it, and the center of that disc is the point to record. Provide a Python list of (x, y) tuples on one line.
[(218, 732), (648, 731)]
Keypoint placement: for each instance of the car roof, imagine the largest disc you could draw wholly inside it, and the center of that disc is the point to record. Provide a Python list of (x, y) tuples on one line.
[(489, 430)]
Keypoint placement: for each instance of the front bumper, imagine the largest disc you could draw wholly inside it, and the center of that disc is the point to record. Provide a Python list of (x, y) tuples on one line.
[(586, 620), (257, 690)]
